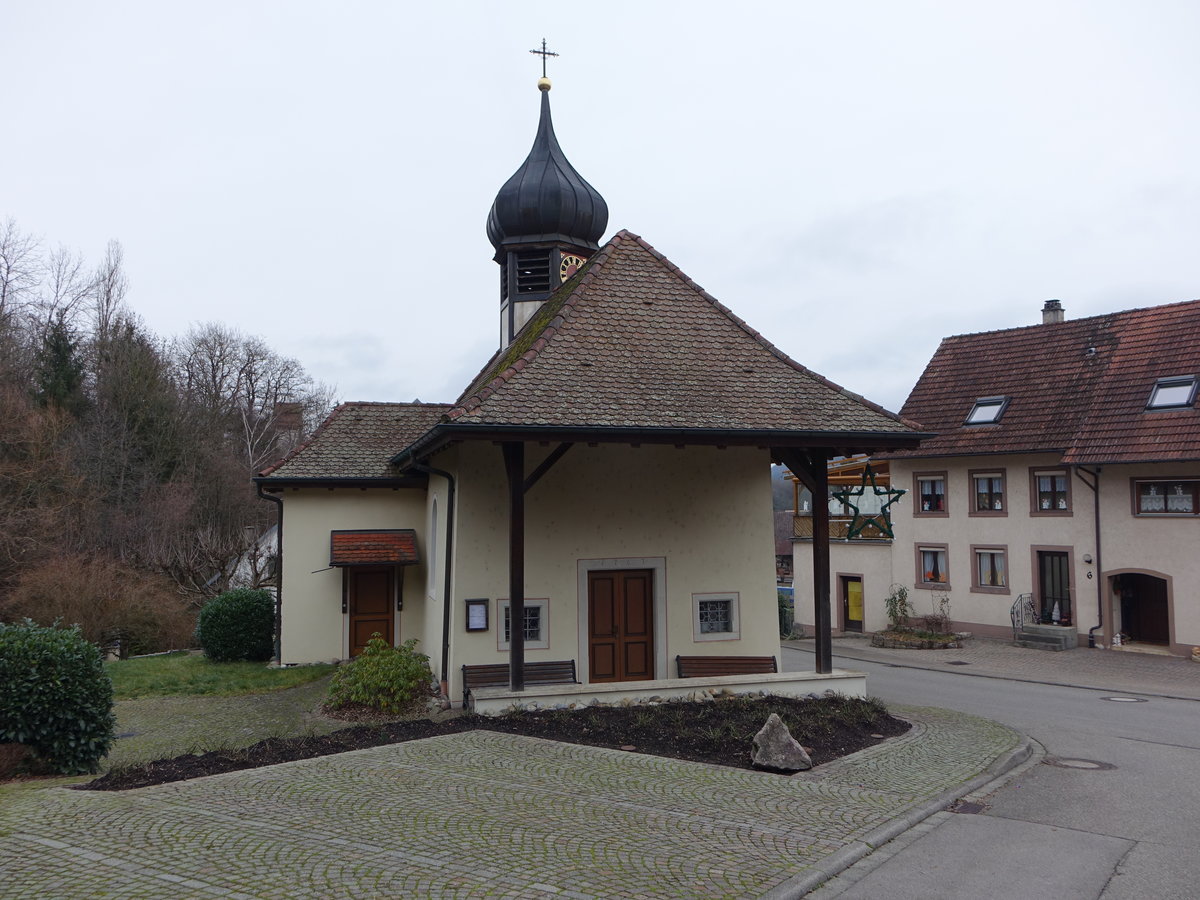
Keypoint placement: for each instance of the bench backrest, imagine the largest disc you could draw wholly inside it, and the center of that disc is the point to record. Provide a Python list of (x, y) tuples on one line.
[(553, 671), (700, 666)]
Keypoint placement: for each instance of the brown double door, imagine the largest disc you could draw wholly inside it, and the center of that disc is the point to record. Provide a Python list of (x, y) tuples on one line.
[(370, 602), (620, 625)]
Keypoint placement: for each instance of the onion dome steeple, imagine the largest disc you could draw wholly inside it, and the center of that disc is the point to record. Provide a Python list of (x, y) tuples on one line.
[(544, 223)]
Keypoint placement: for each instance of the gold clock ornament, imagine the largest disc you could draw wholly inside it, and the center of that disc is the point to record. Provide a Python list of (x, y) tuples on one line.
[(569, 266)]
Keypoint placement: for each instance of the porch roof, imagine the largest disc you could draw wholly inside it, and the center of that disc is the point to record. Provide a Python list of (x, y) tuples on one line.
[(631, 350), (394, 547)]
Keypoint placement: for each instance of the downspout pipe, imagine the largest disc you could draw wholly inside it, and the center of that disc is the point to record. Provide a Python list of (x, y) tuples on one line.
[(278, 501), (1095, 487), (442, 473)]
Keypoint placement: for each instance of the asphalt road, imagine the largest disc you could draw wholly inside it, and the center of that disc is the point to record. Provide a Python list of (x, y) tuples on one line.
[(1112, 812)]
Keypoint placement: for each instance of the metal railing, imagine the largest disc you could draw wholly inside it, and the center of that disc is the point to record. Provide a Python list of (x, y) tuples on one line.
[(1022, 611)]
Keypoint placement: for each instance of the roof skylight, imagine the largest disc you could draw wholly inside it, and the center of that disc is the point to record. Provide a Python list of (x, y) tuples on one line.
[(986, 411), (1172, 393)]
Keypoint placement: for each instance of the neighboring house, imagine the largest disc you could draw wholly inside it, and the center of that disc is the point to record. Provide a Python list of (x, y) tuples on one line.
[(858, 563), (783, 546), (1066, 466), (604, 481)]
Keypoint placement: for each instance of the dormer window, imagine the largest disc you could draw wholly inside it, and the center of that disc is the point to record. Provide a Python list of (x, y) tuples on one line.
[(1173, 393), (986, 411)]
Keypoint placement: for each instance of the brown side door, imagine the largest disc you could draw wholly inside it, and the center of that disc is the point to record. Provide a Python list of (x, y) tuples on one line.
[(370, 596), (620, 626)]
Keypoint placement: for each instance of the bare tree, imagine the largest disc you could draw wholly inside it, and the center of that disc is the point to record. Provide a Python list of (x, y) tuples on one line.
[(20, 268), (109, 286), (239, 384), (65, 289), (117, 447)]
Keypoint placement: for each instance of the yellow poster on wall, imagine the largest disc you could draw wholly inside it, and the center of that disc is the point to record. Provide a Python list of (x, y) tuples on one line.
[(854, 601)]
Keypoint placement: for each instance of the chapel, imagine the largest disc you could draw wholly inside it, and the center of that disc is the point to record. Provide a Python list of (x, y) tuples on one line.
[(592, 513)]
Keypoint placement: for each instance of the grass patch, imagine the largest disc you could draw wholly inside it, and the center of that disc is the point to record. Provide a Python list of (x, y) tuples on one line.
[(184, 673)]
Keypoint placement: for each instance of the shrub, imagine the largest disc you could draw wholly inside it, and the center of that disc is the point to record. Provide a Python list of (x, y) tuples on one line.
[(382, 677), (112, 603), (238, 625), (55, 697), (938, 621), (898, 609)]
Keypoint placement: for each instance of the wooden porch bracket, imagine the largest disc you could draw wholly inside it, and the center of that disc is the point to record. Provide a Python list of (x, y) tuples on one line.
[(546, 464)]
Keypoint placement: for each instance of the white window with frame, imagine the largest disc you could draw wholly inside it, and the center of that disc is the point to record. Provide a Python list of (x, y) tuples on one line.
[(716, 617), (537, 625), (1051, 492), (931, 493), (988, 491), (991, 568), (1168, 498), (932, 568)]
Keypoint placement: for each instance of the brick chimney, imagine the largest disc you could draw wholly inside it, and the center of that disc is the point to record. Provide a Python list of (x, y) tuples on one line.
[(1052, 311), (289, 424)]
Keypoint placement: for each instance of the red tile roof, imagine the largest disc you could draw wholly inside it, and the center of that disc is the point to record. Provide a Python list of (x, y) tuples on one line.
[(390, 547), (357, 440), (1078, 387), (630, 342), (633, 342)]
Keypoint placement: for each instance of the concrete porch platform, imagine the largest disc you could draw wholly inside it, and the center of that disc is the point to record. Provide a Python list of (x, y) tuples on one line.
[(496, 700)]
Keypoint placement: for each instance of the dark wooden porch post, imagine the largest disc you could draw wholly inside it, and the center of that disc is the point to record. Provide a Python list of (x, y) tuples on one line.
[(821, 612), (514, 468), (811, 467)]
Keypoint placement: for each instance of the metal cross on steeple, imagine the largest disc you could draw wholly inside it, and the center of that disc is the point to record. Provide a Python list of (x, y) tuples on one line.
[(543, 53)]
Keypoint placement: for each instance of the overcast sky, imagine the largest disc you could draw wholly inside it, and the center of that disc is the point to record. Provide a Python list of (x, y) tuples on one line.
[(855, 180)]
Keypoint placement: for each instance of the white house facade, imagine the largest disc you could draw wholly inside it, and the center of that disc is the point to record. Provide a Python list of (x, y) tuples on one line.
[(1065, 474)]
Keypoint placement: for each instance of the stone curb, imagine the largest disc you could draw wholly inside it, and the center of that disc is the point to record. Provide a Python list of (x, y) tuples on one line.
[(998, 676), (836, 863)]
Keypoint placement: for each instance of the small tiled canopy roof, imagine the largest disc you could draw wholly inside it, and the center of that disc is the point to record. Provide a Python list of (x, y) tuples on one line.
[(356, 442), (633, 342), (396, 547), (1078, 388)]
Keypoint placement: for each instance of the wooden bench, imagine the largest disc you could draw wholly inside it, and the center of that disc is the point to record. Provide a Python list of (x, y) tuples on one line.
[(554, 671), (701, 666)]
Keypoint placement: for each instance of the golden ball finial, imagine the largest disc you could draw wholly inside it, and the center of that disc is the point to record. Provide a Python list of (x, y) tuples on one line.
[(543, 83)]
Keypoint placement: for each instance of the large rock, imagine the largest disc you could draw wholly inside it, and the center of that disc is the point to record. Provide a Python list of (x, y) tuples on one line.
[(777, 750)]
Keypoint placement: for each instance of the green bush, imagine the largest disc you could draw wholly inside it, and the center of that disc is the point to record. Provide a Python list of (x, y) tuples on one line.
[(238, 625), (899, 611), (382, 677), (55, 696)]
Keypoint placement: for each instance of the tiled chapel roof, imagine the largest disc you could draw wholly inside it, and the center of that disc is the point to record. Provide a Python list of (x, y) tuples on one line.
[(631, 341), (356, 441), (1078, 387)]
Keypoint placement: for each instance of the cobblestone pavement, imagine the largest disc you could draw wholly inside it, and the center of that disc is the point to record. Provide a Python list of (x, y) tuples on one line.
[(1109, 670), (481, 814), (162, 727)]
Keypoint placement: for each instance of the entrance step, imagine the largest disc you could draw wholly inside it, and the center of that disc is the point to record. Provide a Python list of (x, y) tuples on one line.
[(1039, 645), (1048, 637)]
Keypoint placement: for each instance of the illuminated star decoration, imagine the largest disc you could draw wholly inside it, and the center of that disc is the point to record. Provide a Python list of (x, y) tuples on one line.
[(881, 520)]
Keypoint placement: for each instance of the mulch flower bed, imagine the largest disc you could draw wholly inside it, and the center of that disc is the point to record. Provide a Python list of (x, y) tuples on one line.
[(719, 732)]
